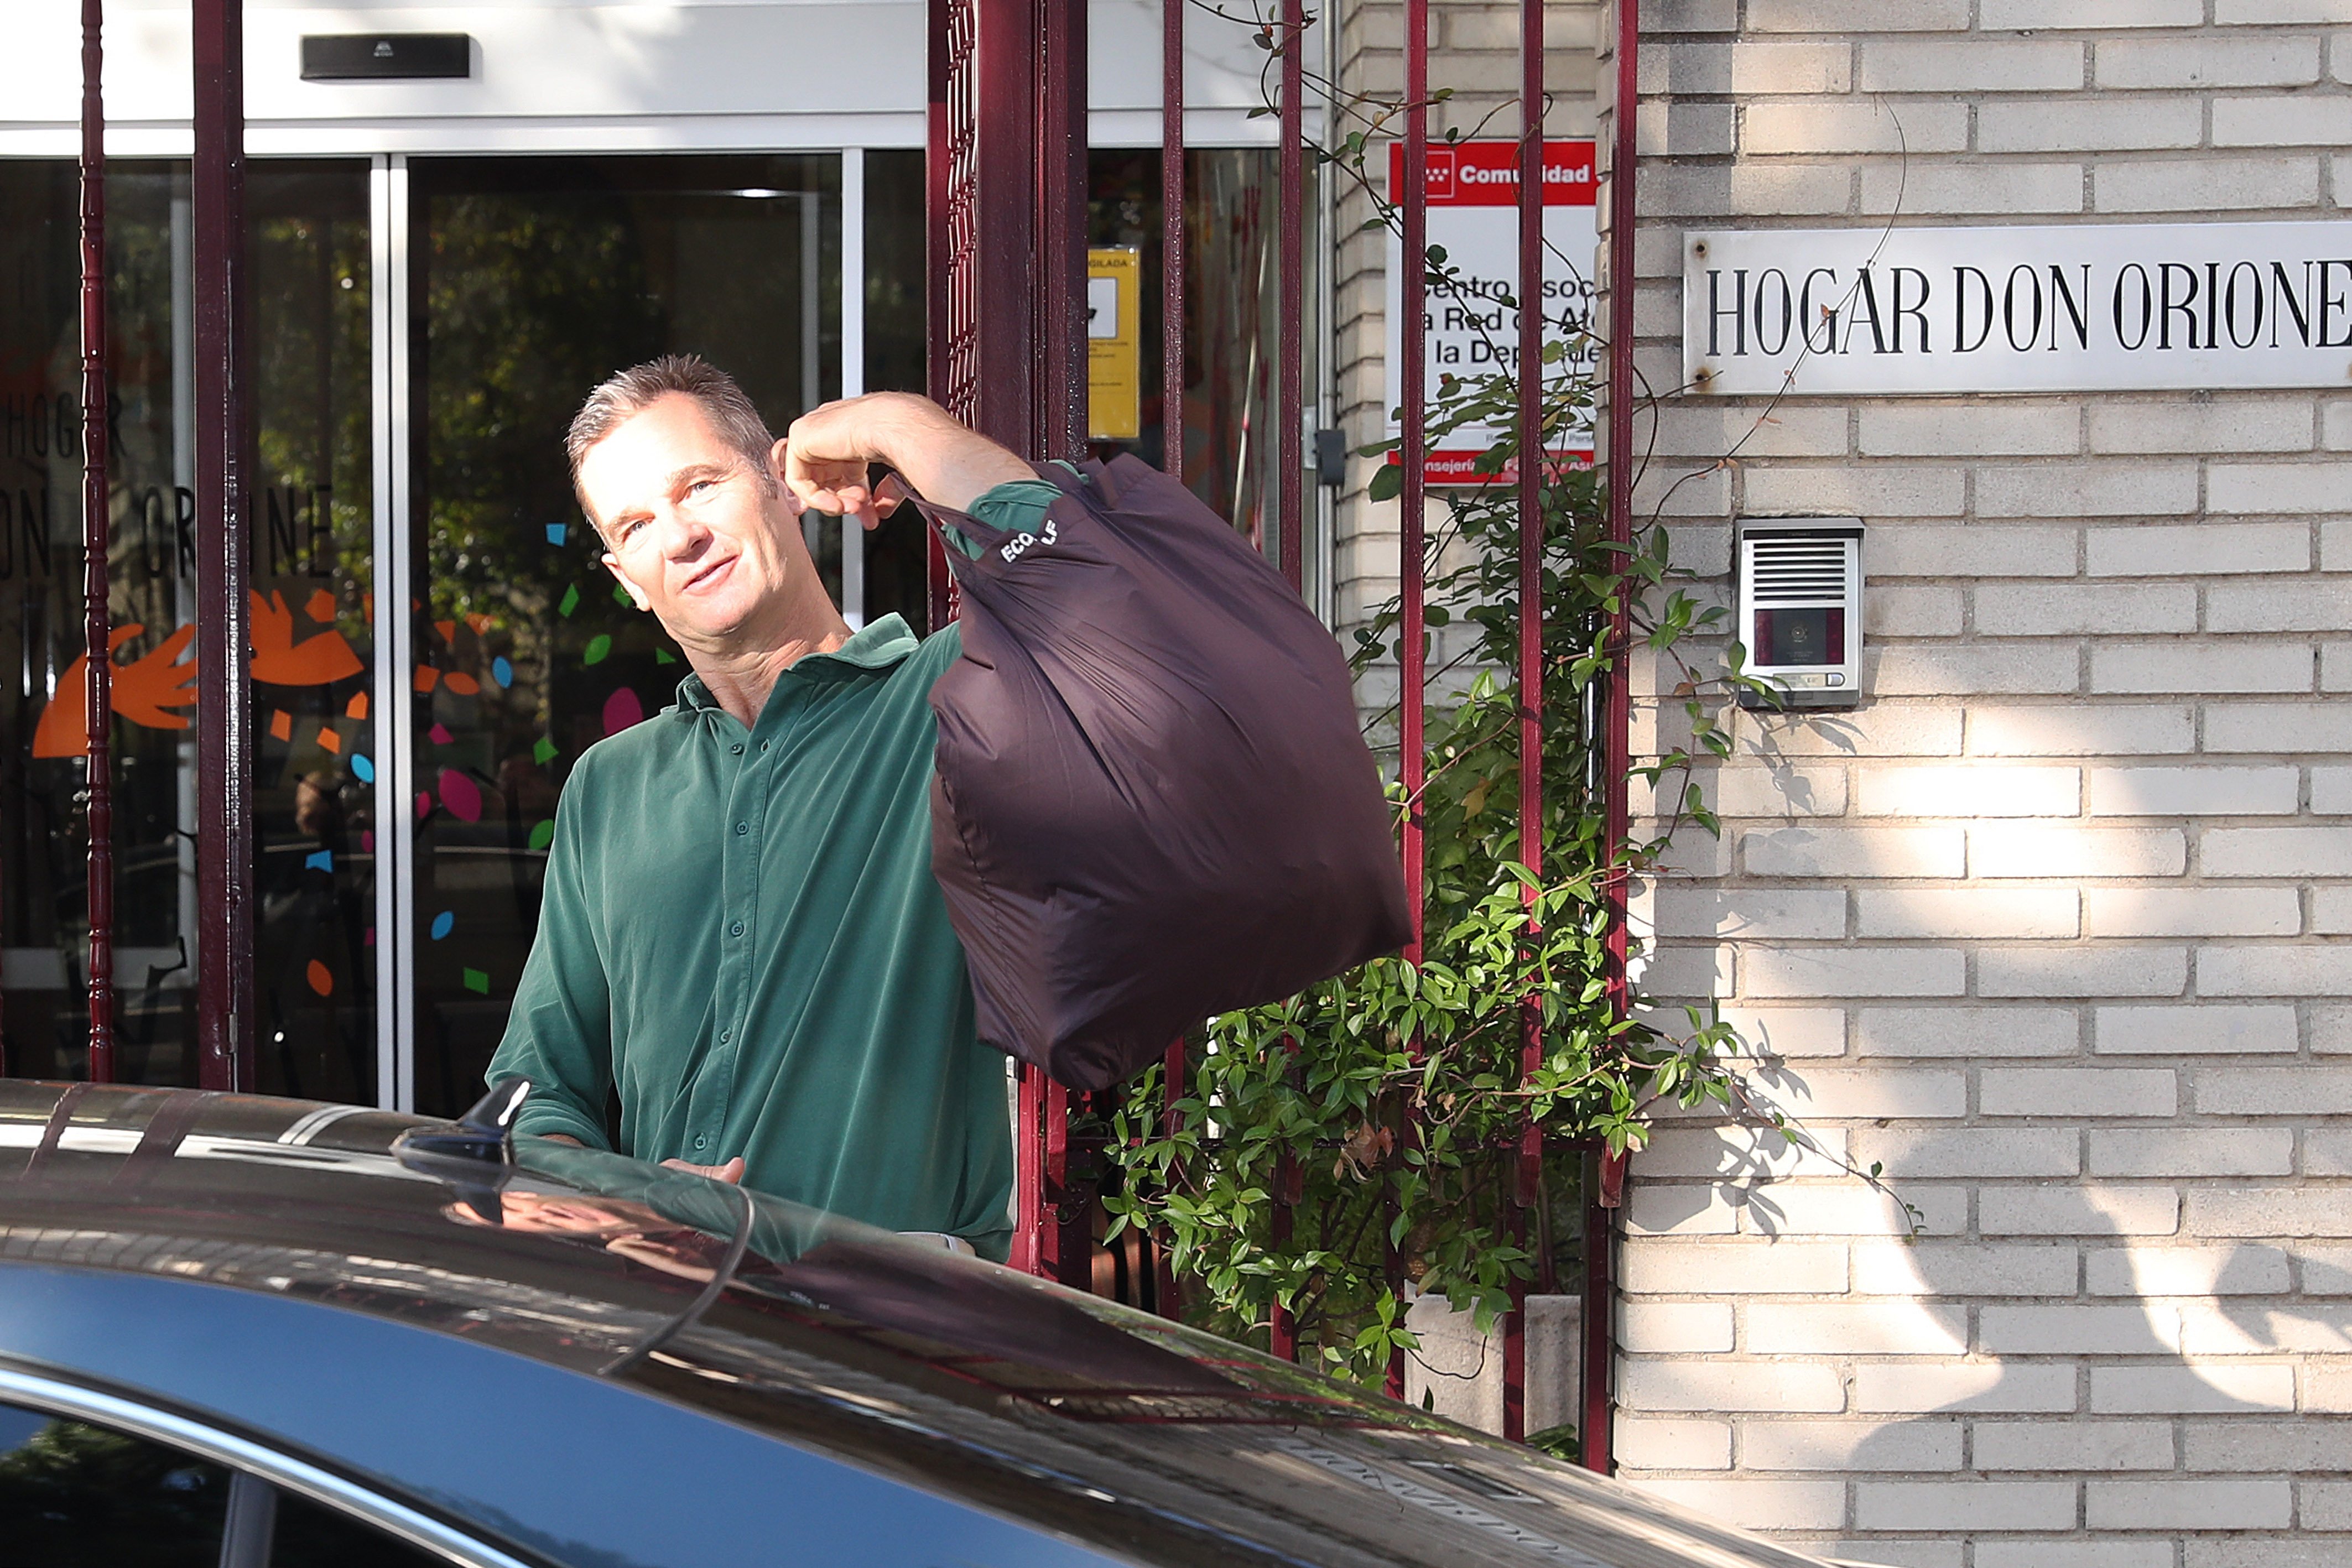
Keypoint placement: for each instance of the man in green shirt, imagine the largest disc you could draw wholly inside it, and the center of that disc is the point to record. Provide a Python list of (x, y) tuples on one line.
[(740, 930)]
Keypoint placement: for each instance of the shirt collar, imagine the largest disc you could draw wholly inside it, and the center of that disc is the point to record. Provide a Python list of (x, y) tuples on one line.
[(874, 646)]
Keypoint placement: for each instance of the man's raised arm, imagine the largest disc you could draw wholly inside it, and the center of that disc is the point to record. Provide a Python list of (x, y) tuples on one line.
[(823, 458)]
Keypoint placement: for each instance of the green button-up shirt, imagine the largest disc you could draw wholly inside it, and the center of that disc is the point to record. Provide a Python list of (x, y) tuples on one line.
[(740, 932)]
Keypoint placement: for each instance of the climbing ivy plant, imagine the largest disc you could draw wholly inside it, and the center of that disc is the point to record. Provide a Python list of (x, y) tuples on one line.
[(1386, 1104), (1328, 1152)]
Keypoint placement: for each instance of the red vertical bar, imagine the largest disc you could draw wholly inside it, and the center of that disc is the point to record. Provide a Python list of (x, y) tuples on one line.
[(936, 51), (1029, 1172), (1529, 1169), (1617, 720), (1164, 1272), (1057, 1254), (97, 626), (1282, 1325), (1008, 167), (938, 269), (1061, 196), (1616, 724), (1006, 250), (1600, 1302), (1171, 236), (1054, 1235), (1413, 494), (1290, 396), (223, 705), (1530, 484), (1057, 190)]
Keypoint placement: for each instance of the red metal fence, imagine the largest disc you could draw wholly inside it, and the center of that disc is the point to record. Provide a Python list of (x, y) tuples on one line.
[(1007, 235), (1001, 105), (98, 629)]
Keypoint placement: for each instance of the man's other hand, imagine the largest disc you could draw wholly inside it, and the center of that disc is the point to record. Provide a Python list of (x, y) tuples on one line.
[(732, 1171), (823, 456)]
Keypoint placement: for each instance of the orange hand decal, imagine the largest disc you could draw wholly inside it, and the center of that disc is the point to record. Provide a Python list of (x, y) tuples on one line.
[(141, 691), (279, 661), (143, 688), (64, 729)]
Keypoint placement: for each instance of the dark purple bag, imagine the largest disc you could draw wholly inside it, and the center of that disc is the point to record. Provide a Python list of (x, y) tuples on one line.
[(1152, 800)]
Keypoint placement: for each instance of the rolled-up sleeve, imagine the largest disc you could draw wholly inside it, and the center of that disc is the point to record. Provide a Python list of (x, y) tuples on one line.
[(559, 1033)]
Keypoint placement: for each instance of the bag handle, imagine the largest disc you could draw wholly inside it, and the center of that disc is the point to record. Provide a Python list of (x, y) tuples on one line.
[(983, 536)]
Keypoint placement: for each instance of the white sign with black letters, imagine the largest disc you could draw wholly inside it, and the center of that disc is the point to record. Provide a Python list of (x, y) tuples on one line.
[(2071, 308)]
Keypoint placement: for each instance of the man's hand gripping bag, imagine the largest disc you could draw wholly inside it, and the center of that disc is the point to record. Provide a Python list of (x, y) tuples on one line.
[(1152, 800)]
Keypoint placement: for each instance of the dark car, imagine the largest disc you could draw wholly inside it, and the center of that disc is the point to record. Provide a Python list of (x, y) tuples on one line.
[(245, 1332)]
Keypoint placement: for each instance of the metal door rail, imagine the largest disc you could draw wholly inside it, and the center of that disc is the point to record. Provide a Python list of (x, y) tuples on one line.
[(97, 624)]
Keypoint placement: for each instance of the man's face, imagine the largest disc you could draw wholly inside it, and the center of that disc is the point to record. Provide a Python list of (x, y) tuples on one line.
[(690, 527)]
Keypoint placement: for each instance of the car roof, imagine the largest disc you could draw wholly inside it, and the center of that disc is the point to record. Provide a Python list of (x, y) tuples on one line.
[(1134, 1433)]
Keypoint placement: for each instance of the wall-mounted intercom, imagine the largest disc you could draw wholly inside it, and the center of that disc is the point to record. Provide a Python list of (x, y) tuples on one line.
[(1799, 609), (386, 57)]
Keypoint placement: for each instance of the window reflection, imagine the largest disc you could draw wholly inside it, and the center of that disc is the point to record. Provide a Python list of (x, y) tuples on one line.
[(76, 1496), (1233, 324)]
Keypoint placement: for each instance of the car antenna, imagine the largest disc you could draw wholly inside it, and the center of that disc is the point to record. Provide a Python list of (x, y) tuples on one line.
[(458, 1152)]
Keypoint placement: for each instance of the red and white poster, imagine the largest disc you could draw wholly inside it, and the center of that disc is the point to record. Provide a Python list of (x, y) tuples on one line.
[(1472, 331)]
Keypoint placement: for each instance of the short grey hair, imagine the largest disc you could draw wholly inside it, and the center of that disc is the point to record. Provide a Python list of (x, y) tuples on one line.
[(633, 391)]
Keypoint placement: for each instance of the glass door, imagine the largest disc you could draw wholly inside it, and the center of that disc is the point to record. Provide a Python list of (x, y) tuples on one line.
[(530, 280), (311, 521)]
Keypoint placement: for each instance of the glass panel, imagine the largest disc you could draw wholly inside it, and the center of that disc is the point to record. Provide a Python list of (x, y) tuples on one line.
[(896, 553), (313, 520), (310, 1536), (308, 276), (532, 280), (76, 1496), (1232, 316), (44, 903)]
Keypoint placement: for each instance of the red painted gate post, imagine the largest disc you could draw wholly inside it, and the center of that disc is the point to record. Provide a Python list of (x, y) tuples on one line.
[(1172, 448), (1171, 236), (1007, 296), (1526, 1177), (1412, 454), (223, 691), (1600, 1235)]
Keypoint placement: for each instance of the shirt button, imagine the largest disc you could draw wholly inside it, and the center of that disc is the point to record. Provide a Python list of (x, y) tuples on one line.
[(725, 1035), (736, 748), (764, 748), (742, 828), (698, 1142), (736, 929)]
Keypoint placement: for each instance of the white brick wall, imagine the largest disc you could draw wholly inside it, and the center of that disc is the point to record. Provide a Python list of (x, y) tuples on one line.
[(2063, 906)]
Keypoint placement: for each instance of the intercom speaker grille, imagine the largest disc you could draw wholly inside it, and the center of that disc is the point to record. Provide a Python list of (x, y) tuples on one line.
[(1791, 571)]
